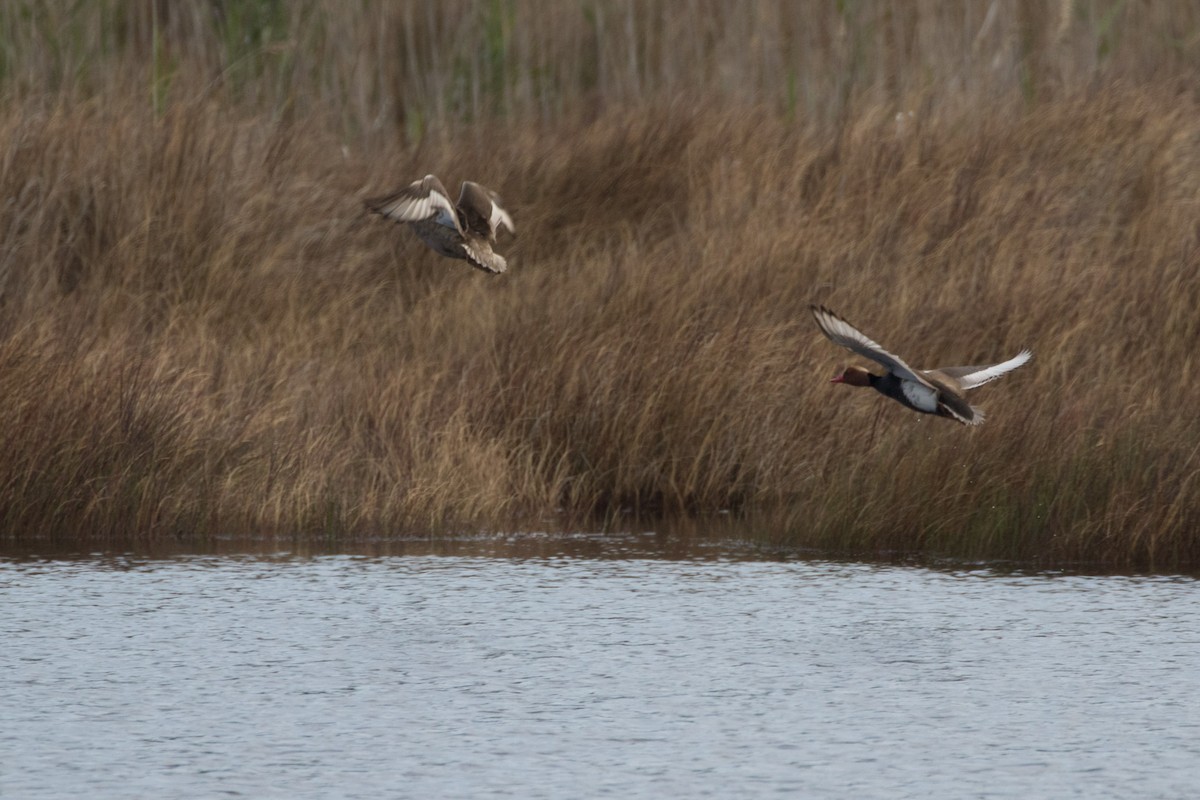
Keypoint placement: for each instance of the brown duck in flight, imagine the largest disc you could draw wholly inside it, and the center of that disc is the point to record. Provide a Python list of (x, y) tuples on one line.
[(466, 229), (934, 391)]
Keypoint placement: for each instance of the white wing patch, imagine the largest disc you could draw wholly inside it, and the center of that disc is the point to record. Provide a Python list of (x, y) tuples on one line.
[(980, 377), (921, 396), (501, 217)]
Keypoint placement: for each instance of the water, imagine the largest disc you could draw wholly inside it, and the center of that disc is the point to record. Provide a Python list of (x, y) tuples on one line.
[(579, 674)]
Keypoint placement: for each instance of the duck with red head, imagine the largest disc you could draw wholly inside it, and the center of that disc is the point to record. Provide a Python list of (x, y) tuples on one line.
[(853, 376), (934, 391)]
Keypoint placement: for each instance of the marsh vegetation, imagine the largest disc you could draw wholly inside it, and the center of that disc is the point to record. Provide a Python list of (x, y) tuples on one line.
[(203, 333)]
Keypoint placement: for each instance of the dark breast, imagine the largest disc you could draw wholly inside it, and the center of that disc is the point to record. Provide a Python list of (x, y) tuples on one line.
[(889, 386)]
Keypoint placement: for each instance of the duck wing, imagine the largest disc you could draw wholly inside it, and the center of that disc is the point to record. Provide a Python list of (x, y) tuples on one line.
[(481, 256), (421, 200), (970, 377), (481, 211), (843, 333)]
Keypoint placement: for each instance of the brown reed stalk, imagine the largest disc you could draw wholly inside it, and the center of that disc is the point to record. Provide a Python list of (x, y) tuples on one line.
[(202, 334)]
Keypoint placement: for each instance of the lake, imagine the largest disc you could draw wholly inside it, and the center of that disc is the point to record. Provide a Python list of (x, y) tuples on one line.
[(555, 667)]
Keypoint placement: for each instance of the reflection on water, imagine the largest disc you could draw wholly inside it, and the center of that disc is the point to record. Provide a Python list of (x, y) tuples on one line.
[(597, 667)]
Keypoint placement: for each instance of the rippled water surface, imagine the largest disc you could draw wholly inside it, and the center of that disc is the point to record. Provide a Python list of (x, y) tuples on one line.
[(585, 675)]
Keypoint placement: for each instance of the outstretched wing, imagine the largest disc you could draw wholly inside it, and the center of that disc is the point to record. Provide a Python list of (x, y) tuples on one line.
[(841, 332), (970, 377), (425, 199)]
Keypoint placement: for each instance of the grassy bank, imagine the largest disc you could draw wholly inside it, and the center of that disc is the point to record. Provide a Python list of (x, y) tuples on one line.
[(201, 332)]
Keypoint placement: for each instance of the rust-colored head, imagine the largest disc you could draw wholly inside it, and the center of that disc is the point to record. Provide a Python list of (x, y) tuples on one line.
[(853, 376)]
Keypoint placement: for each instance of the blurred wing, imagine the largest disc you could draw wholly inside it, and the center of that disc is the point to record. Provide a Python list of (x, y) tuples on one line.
[(425, 199), (501, 217), (841, 332), (481, 208), (970, 377), (480, 256)]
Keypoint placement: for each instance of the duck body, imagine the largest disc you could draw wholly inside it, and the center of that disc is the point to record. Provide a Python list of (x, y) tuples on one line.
[(933, 397), (936, 391), (463, 230)]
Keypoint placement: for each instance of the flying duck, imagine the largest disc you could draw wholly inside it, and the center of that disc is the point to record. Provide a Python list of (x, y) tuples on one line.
[(934, 391), (466, 229)]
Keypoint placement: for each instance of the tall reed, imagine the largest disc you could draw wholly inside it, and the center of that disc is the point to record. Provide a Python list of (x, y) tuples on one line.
[(202, 333), (379, 68)]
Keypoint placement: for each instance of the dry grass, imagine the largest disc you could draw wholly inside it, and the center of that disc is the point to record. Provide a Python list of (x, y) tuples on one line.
[(201, 332)]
